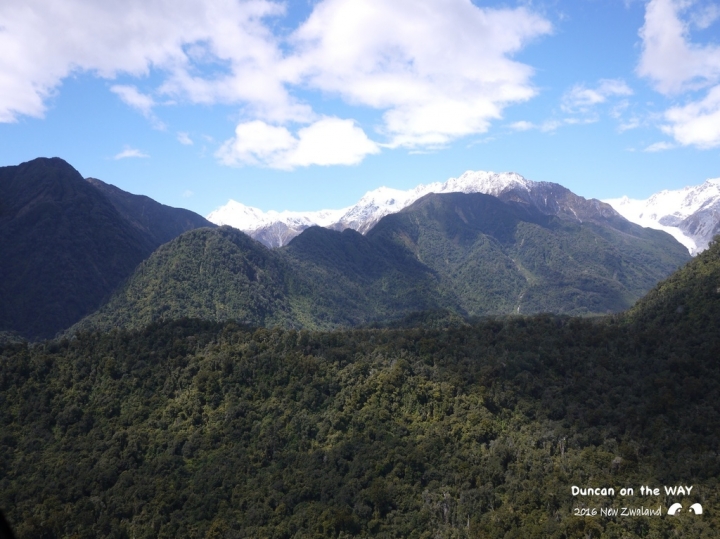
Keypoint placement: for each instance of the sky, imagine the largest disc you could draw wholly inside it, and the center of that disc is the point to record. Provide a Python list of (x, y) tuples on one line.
[(307, 105)]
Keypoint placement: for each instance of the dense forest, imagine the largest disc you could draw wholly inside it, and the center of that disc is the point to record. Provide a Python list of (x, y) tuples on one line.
[(83, 253), (440, 428), (472, 254)]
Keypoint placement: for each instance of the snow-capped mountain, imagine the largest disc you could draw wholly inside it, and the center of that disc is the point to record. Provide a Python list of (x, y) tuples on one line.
[(691, 215), (272, 228), (383, 201), (276, 229)]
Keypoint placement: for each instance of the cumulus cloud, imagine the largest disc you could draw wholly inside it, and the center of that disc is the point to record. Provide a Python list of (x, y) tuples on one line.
[(328, 141), (697, 123), (44, 41), (676, 64), (440, 71), (582, 99), (436, 71), (130, 152), (669, 58)]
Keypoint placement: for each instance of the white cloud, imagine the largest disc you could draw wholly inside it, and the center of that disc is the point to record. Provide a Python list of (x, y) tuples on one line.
[(436, 71), (130, 152), (549, 126), (184, 139), (256, 142), (329, 141), (632, 123), (188, 193), (660, 147), (697, 123), (143, 103), (669, 58), (522, 126), (44, 41), (582, 99), (705, 16), (676, 64), (132, 97), (439, 70)]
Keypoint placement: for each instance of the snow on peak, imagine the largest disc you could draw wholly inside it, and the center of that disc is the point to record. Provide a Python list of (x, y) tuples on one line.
[(373, 206), (667, 209), (488, 183), (248, 219)]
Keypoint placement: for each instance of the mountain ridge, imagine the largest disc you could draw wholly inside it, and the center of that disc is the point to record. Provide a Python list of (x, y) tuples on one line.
[(159, 221), (691, 214), (67, 243), (276, 229), (469, 253)]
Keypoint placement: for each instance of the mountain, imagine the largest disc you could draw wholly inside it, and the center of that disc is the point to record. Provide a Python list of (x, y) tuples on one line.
[(325, 279), (686, 302), (188, 428), (345, 279), (691, 215), (276, 229), (208, 273), (273, 229), (469, 254), (157, 221), (518, 256), (67, 243)]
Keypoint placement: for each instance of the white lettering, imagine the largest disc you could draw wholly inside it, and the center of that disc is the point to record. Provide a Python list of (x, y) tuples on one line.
[(589, 491)]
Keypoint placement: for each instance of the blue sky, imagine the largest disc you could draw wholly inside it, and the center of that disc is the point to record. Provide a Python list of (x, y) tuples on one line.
[(308, 105)]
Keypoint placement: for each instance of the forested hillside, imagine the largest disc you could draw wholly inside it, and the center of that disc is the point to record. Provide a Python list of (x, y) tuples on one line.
[(496, 257), (471, 254), (195, 429), (67, 243)]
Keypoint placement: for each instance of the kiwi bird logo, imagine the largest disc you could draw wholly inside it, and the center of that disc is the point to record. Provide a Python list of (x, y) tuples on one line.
[(675, 508)]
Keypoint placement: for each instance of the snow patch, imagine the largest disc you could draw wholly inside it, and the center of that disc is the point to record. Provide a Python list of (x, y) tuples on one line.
[(669, 211), (372, 207)]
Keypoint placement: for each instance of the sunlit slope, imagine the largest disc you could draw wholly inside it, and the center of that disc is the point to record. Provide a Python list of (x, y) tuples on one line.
[(470, 254), (213, 274), (687, 302), (495, 257)]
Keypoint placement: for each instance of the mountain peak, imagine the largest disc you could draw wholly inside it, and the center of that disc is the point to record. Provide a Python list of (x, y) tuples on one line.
[(689, 214), (276, 229)]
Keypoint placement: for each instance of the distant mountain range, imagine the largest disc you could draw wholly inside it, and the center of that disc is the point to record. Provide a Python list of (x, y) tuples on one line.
[(276, 229), (66, 243), (80, 251), (470, 254), (691, 215)]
